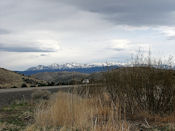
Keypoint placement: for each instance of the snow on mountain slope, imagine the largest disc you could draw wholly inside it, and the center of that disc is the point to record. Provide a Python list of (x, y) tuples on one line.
[(71, 66)]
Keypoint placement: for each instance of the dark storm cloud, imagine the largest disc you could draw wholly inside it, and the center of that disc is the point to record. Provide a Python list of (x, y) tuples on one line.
[(131, 12), (13, 48)]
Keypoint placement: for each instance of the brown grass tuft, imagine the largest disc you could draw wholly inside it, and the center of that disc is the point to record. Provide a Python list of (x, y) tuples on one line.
[(70, 111)]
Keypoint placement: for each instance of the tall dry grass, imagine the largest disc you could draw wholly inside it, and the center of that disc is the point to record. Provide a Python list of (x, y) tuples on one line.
[(70, 111)]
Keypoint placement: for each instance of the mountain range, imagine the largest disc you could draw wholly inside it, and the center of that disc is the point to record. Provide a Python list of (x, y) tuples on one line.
[(71, 67), (83, 68)]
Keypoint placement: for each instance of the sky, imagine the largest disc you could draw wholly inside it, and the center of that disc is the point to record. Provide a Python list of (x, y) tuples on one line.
[(42, 32)]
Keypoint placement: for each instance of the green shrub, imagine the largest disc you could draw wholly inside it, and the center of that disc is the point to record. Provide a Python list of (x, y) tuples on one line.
[(14, 87), (51, 83), (42, 84), (23, 85)]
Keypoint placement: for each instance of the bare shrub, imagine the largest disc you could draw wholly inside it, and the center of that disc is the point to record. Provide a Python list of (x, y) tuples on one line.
[(41, 94), (148, 85)]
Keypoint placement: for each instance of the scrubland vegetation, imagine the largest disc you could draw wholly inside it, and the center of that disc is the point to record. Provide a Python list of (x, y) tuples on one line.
[(139, 97)]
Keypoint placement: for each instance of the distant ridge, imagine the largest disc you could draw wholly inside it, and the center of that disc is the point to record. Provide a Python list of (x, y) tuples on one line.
[(71, 67)]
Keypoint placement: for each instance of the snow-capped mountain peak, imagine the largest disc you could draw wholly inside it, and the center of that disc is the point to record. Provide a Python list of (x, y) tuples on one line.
[(70, 66)]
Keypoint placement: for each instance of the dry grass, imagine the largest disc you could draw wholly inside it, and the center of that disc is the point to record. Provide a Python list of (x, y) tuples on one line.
[(70, 111), (9, 79)]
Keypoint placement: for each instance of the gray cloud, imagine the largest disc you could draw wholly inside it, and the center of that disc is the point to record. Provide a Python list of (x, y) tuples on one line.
[(117, 49), (117, 12), (4, 31), (13, 48), (43, 54), (170, 37), (66, 14), (131, 12)]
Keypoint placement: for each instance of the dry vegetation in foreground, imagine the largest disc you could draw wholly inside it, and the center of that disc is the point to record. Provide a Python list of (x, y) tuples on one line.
[(141, 97), (72, 112), (131, 99)]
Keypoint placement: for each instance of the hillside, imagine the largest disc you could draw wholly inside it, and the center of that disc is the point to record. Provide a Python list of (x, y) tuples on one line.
[(60, 77), (10, 79)]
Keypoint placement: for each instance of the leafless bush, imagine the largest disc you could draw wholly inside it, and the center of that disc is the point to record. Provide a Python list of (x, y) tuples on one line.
[(41, 94), (144, 86)]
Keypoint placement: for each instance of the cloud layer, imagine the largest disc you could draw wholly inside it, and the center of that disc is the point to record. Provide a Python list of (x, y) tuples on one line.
[(59, 31), (135, 12)]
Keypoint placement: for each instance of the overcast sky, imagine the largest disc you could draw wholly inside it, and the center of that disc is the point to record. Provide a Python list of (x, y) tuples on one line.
[(34, 32)]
